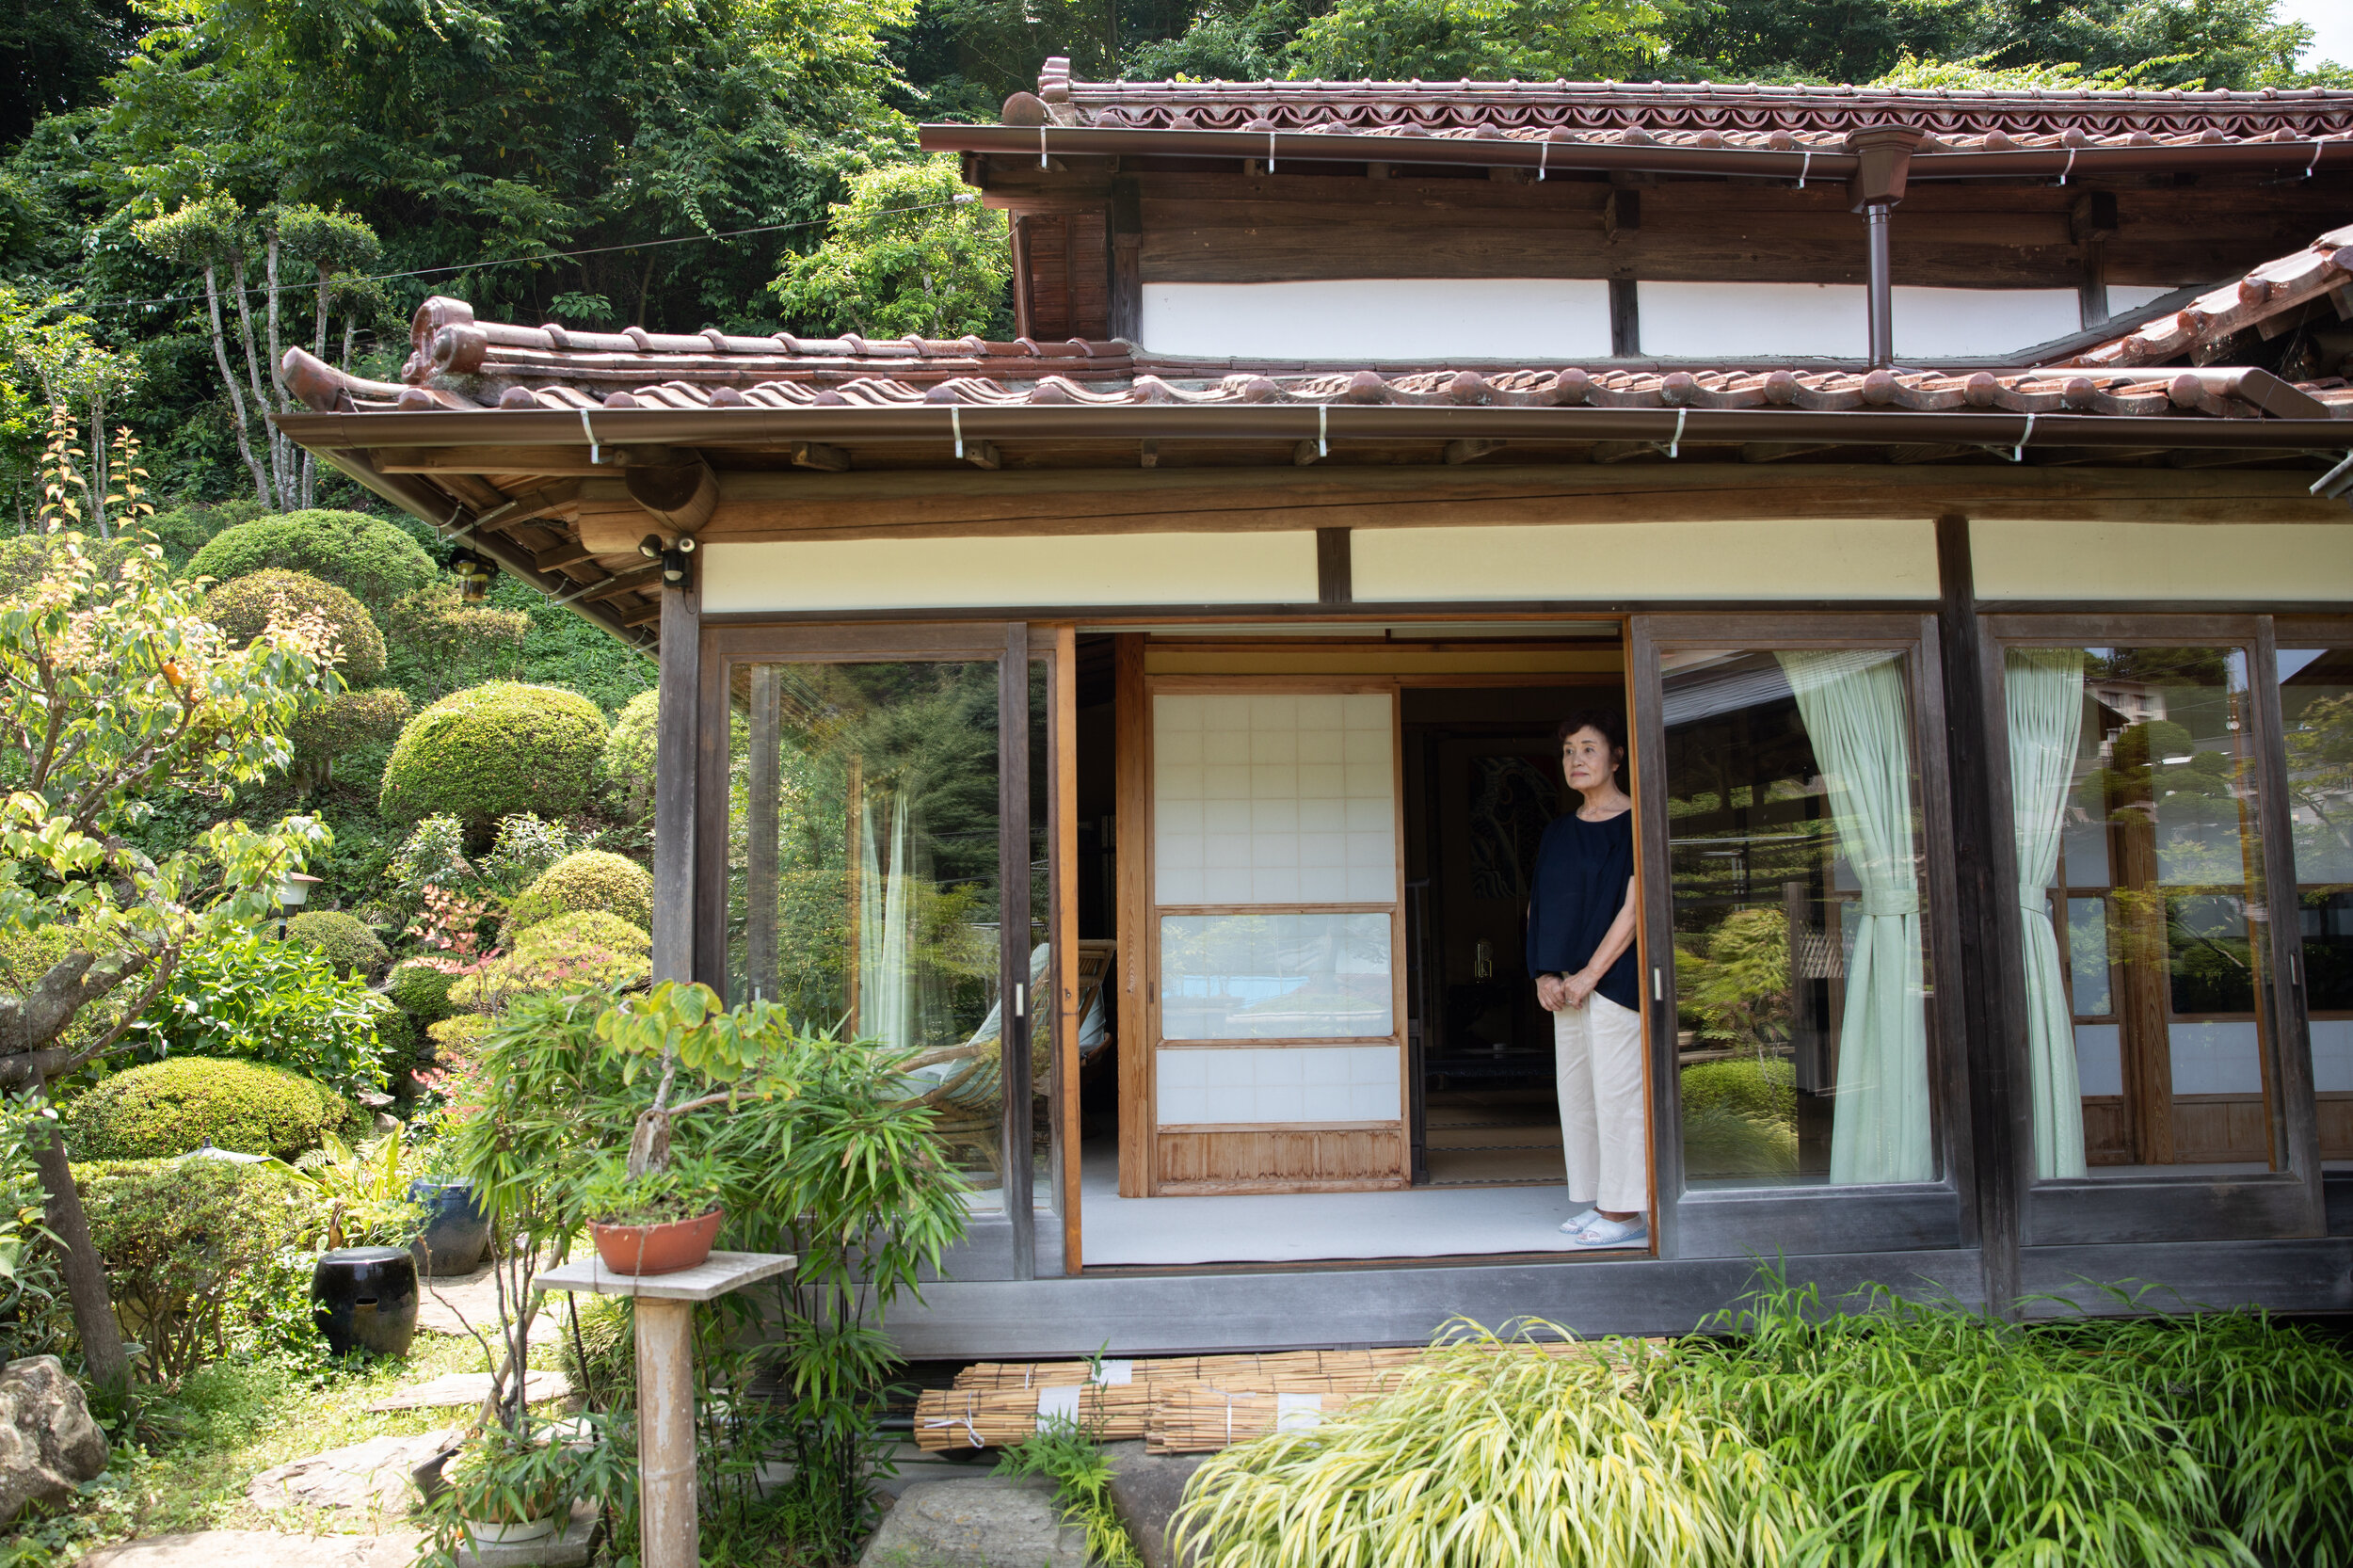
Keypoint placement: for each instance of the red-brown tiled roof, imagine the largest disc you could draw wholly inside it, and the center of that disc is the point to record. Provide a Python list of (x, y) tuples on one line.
[(2272, 290), (1703, 114)]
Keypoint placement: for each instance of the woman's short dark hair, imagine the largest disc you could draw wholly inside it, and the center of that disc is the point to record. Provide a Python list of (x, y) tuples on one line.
[(1601, 720)]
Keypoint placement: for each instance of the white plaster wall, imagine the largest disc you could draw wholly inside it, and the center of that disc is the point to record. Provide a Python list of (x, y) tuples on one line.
[(2243, 561), (1522, 320), (1831, 320), (1866, 558), (2131, 296), (1088, 569)]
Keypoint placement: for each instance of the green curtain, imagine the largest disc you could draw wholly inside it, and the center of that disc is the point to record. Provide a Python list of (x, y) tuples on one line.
[(2044, 688), (1858, 717)]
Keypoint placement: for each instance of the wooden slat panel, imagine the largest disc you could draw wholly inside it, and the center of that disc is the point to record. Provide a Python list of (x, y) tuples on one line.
[(1132, 732), (2214, 1129), (2336, 1125), (1352, 1159)]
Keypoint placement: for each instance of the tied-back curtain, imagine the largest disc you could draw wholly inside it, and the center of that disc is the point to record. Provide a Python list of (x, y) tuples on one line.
[(2044, 688), (886, 981), (1858, 717)]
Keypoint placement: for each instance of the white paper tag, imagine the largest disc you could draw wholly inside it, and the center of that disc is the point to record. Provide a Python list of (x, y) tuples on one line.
[(1113, 1374), (1297, 1412), (1057, 1404)]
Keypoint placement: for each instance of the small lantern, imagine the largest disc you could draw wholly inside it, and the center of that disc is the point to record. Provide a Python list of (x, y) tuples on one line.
[(294, 891), (474, 571)]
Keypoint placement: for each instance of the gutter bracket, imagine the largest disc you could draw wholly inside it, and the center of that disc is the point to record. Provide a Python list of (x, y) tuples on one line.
[(595, 452), (2018, 453), (1674, 443), (2337, 482)]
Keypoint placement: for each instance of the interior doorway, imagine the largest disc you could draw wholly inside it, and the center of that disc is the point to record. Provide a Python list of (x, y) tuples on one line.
[(1250, 1004)]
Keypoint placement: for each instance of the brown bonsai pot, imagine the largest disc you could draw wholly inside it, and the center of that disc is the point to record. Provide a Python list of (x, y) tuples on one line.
[(663, 1249)]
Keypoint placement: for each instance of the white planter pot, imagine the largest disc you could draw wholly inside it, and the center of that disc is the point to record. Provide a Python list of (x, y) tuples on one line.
[(487, 1534)]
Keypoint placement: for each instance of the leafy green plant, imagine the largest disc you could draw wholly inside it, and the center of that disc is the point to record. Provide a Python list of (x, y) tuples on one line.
[(589, 951), (452, 640), (166, 1109), (905, 253), (513, 1476), (1480, 1457), (351, 947), (177, 1236), (421, 989), (243, 606), (587, 879), (1072, 1457), (366, 1190), (248, 996), (685, 1189), (32, 1291), (490, 751), (526, 846), (433, 855)]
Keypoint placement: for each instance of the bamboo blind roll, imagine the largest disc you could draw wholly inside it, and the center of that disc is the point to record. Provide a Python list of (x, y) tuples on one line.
[(1195, 1419), (998, 1418), (1272, 1369)]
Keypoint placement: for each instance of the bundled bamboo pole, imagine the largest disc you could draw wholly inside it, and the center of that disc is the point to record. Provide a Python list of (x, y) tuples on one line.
[(997, 1417), (1267, 1371), (1195, 1419)]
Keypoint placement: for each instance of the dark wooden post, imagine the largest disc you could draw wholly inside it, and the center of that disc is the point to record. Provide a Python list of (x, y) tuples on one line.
[(1989, 968), (1014, 1000), (675, 732)]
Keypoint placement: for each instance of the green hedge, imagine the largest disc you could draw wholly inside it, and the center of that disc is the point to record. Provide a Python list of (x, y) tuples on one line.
[(242, 608), (588, 879), (370, 559), (349, 945), (588, 949), (419, 990), (168, 1108), (627, 769), (495, 750)]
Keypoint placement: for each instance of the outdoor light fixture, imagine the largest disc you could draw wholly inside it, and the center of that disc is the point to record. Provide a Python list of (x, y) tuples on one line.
[(474, 571), (294, 891), (673, 559)]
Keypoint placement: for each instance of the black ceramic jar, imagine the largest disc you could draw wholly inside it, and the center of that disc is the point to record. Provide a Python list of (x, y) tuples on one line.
[(456, 1233), (365, 1298)]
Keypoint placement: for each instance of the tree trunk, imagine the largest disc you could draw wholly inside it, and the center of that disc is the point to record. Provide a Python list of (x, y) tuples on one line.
[(99, 454), (277, 498), (85, 1274), (229, 379)]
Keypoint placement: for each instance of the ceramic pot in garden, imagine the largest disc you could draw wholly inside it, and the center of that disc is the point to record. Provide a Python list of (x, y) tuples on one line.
[(365, 1298), (457, 1232), (663, 1249)]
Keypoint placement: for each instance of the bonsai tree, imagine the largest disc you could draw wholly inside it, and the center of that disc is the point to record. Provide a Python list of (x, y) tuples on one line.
[(113, 690)]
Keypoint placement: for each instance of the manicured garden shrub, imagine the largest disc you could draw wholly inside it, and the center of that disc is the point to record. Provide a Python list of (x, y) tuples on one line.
[(370, 559), (1740, 1118), (178, 1236), (588, 950), (252, 996), (168, 1108), (25, 557), (627, 769), (589, 879), (350, 946), (1765, 1090), (494, 750), (326, 731), (242, 608), (419, 990)]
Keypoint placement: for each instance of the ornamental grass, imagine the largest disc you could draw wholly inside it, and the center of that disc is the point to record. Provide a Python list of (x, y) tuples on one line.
[(1503, 1460)]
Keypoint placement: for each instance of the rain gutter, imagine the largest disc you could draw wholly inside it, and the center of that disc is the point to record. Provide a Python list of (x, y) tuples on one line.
[(1275, 148)]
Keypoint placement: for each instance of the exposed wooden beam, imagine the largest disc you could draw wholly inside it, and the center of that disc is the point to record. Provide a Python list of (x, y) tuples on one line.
[(681, 500), (569, 461), (817, 454), (1778, 452), (1468, 451), (984, 454), (533, 503), (1619, 452), (1307, 452), (562, 556)]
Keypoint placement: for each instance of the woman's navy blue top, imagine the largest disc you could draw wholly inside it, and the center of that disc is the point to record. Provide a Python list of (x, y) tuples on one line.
[(1582, 868)]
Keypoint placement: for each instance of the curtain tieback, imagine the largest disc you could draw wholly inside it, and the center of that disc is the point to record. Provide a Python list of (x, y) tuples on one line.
[(1889, 903)]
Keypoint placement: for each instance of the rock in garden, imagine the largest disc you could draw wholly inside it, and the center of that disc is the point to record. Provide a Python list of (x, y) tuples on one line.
[(246, 1549), (980, 1522), (369, 1478), (48, 1443), (1145, 1490)]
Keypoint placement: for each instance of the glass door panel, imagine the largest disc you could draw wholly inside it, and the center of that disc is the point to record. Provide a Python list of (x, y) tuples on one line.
[(2133, 778), (863, 876), (2316, 703)]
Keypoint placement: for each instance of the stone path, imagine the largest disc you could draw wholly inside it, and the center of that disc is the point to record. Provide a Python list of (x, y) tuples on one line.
[(442, 1302), (366, 1480), (471, 1388), (251, 1548)]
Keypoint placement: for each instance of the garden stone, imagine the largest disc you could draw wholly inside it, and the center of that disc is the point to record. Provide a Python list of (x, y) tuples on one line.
[(48, 1443), (370, 1478), (980, 1522), (1145, 1490), (246, 1548)]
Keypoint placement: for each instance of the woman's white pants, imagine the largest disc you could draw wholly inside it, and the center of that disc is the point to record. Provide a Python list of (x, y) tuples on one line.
[(1597, 1052)]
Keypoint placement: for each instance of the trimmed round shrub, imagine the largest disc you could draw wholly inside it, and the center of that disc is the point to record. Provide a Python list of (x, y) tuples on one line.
[(25, 557), (494, 750), (587, 879), (324, 730), (627, 770), (1765, 1091), (419, 990), (170, 1107), (352, 947), (373, 560), (242, 608), (584, 950)]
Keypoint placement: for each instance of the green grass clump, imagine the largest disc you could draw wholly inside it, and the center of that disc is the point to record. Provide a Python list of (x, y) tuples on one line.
[(1072, 1457), (1930, 1436), (1480, 1458)]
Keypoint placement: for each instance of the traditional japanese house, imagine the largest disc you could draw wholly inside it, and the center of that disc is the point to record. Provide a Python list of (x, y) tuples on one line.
[(1148, 720)]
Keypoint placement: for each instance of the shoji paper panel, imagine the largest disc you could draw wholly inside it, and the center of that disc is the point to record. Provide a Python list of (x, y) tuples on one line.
[(1273, 799), (1292, 1083)]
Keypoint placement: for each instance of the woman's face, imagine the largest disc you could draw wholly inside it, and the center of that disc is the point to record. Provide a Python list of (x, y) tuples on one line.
[(1588, 760)]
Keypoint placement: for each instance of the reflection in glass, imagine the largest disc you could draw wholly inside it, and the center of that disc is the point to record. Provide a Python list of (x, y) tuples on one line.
[(1794, 858), (1275, 977), (862, 888), (2316, 702), (2158, 865)]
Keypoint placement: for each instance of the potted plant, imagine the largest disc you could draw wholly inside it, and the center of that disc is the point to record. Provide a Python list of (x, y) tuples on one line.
[(510, 1486), (657, 1222)]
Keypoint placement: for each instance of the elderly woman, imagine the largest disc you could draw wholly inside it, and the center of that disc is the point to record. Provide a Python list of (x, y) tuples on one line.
[(1580, 949)]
